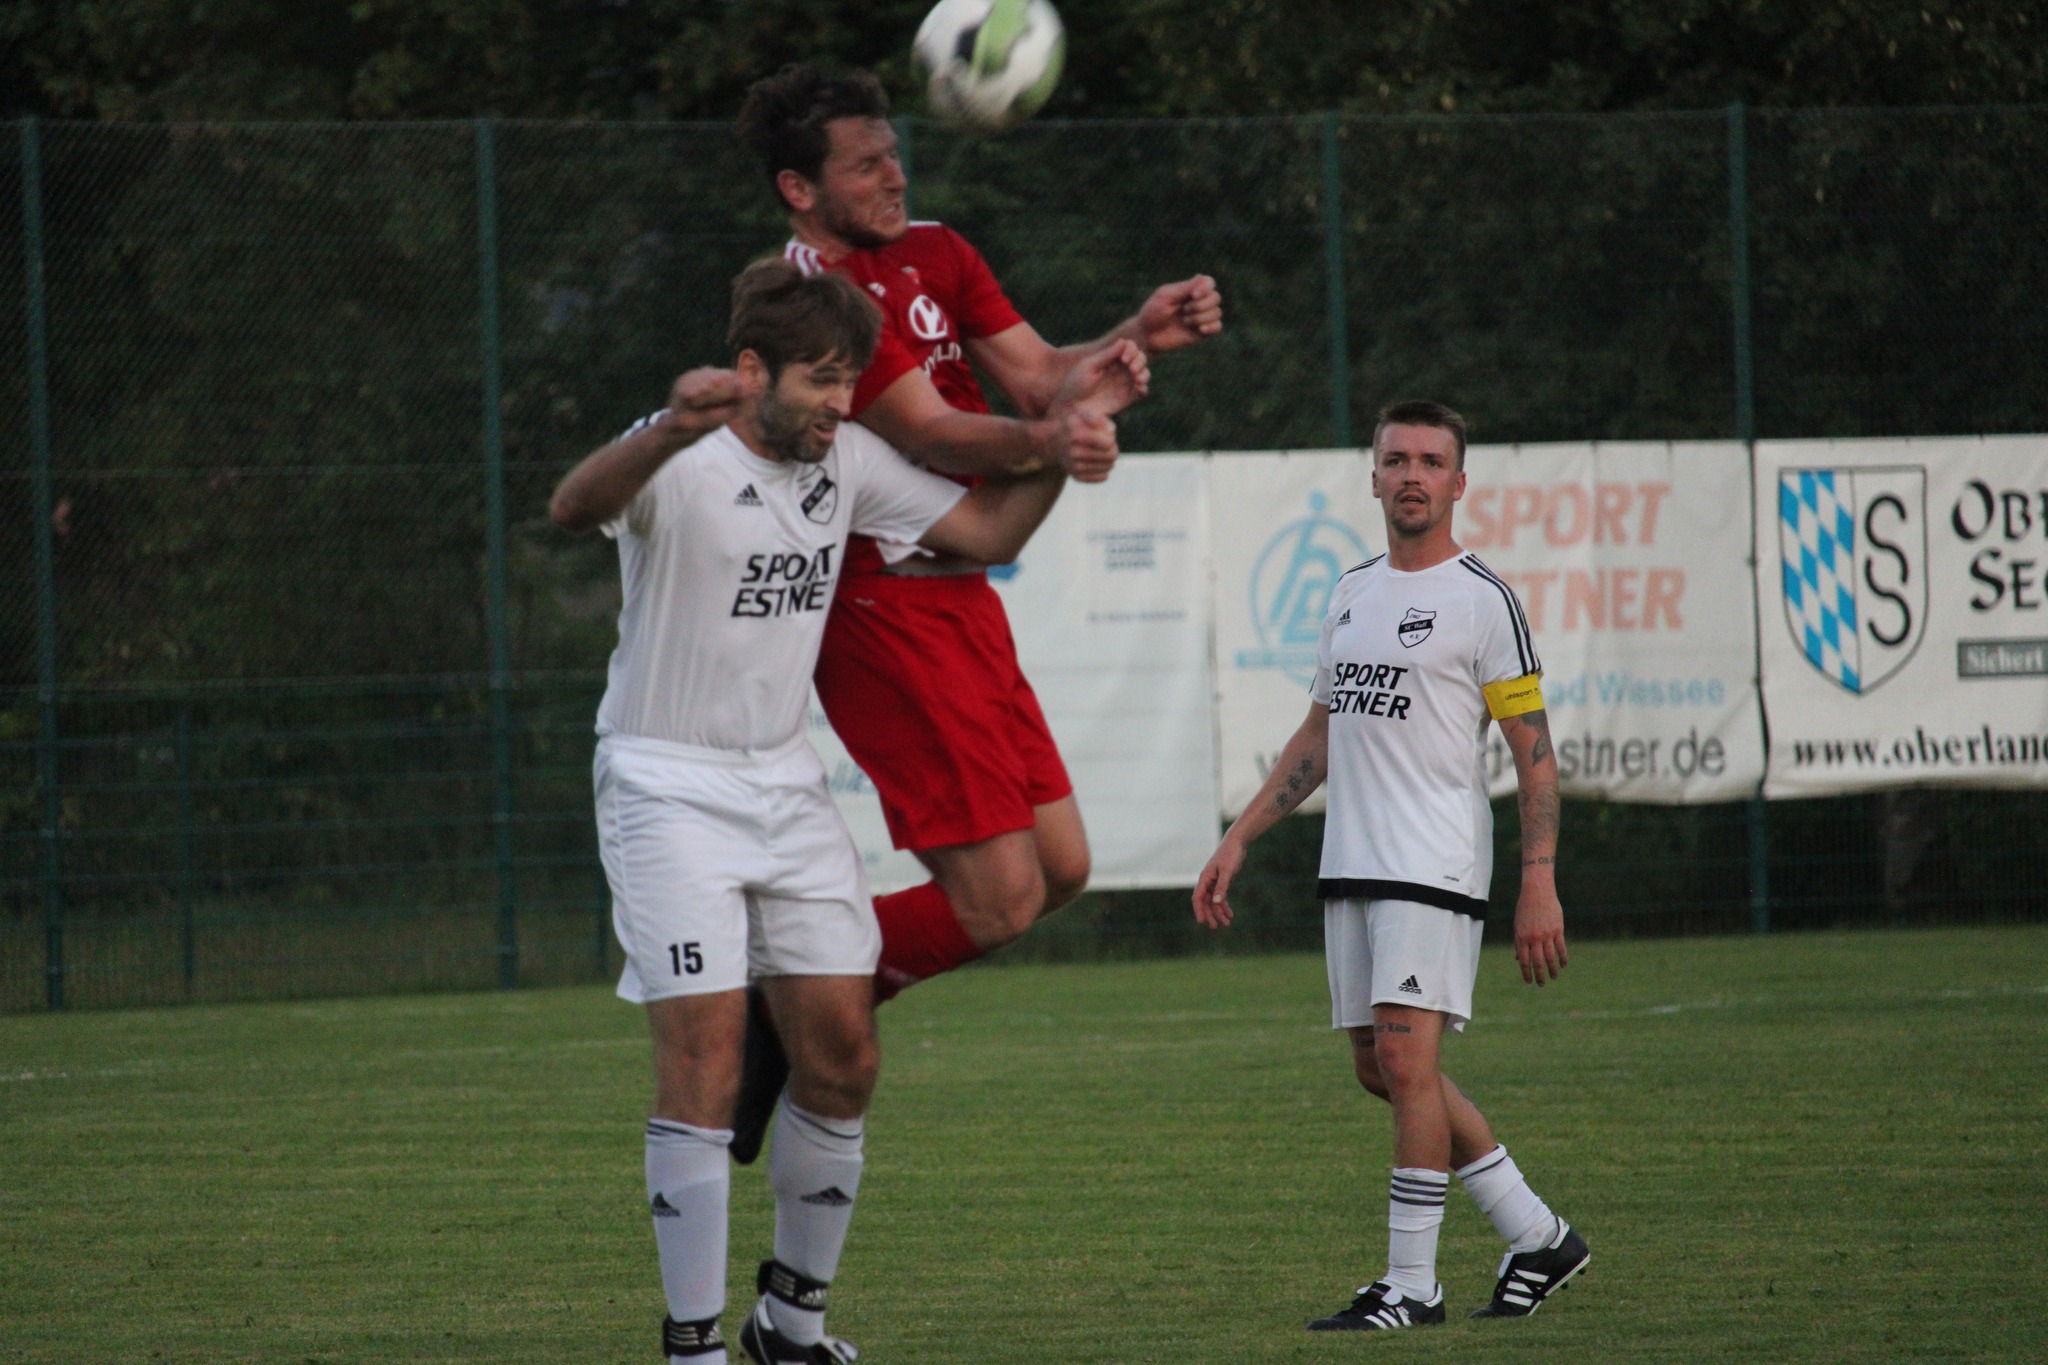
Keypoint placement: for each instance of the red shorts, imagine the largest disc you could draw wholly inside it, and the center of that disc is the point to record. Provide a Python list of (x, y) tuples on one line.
[(919, 677)]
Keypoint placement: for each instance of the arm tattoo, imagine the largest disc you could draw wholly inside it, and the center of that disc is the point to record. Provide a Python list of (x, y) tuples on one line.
[(1298, 786), (1391, 1028), (1540, 723)]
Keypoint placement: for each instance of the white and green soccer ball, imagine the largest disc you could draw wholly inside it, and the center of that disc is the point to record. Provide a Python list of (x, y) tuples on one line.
[(989, 63)]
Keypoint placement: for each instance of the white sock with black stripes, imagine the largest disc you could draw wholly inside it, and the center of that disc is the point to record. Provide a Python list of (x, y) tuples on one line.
[(1415, 1216), (815, 1169), (689, 1176), (1497, 1187)]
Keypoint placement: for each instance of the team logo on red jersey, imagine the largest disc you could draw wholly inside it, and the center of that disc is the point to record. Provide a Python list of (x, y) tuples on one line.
[(927, 319)]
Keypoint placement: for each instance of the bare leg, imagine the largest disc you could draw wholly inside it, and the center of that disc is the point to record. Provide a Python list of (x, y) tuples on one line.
[(827, 1024), (1000, 887), (697, 1041), (1471, 1137)]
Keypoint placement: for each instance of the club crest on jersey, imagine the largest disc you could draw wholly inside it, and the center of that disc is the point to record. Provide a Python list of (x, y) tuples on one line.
[(927, 319), (822, 501), (1415, 627)]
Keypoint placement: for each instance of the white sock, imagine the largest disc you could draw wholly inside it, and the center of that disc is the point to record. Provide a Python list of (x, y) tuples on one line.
[(1497, 1187), (688, 1179), (1415, 1216), (815, 1170)]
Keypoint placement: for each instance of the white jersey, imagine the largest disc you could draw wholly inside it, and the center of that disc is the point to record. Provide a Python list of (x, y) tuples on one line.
[(729, 563), (1412, 667)]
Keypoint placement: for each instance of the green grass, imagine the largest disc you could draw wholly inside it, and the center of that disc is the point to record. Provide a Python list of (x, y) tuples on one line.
[(1802, 1148)]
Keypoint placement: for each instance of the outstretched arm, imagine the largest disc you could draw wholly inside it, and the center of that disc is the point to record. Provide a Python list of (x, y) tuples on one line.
[(1030, 370), (993, 522), (607, 479), (1300, 770), (1071, 434), (1539, 917)]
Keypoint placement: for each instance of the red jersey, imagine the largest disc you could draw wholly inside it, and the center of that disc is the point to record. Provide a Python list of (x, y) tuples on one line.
[(935, 292)]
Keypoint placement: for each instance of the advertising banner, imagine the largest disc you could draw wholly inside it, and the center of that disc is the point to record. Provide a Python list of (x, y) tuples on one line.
[(1108, 605), (1902, 596), (1286, 526), (1632, 563)]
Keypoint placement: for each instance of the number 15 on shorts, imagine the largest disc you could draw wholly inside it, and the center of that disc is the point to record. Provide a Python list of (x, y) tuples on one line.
[(686, 957)]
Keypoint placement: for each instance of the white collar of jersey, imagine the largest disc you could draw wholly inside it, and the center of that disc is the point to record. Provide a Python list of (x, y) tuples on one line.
[(1388, 564)]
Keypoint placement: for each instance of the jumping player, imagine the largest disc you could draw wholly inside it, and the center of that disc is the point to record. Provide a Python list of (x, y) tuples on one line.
[(1421, 646), (725, 854), (919, 675)]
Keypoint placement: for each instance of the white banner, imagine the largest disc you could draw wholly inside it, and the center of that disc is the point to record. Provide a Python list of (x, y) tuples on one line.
[(1287, 525), (1631, 560), (1902, 594), (1108, 606)]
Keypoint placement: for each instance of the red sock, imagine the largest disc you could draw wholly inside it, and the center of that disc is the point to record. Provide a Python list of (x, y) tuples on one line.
[(921, 937)]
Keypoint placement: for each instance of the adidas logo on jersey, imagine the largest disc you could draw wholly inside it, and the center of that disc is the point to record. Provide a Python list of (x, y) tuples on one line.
[(1409, 987), (1345, 619), (747, 498)]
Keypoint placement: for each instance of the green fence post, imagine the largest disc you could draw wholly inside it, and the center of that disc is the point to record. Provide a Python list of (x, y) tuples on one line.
[(42, 510), (1333, 272), (494, 573), (1745, 431), (187, 931)]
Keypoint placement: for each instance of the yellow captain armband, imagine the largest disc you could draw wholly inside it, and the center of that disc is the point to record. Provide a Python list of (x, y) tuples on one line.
[(1514, 697)]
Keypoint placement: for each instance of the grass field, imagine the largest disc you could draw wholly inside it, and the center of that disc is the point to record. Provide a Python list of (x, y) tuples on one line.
[(1801, 1148)]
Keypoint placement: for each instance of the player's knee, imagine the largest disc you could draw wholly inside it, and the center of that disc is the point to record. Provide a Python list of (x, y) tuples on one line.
[(1365, 1065), (1003, 900), (1066, 876), (1402, 1063), (837, 1072)]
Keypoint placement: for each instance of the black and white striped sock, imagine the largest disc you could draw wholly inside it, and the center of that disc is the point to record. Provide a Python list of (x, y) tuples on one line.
[(1415, 1215)]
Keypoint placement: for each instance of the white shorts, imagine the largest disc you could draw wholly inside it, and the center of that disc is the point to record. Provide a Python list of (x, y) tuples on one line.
[(1386, 952), (727, 865)]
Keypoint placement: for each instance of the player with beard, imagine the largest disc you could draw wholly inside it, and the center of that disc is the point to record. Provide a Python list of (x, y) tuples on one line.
[(1421, 649), (725, 854), (918, 673)]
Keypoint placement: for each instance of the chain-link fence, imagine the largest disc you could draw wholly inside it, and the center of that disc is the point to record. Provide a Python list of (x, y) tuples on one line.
[(296, 681)]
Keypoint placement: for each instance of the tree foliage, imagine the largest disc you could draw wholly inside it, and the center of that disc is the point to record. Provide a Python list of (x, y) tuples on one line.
[(680, 59)]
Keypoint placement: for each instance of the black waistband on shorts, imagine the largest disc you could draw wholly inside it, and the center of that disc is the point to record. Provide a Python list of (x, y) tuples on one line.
[(1378, 889)]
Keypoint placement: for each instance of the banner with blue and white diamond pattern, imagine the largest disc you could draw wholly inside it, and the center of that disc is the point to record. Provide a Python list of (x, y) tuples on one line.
[(1911, 575)]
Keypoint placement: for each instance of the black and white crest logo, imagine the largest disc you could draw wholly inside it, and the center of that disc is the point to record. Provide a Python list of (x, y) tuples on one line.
[(822, 501), (1415, 627)]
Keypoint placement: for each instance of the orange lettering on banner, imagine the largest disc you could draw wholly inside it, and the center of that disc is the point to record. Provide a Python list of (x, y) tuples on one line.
[(1666, 586), (1624, 599), (1610, 501), (1523, 506), (1652, 495), (1585, 594), (1572, 495), (1476, 520)]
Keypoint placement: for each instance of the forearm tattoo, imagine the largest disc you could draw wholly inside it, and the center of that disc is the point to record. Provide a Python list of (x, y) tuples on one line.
[(1540, 723), (1298, 785)]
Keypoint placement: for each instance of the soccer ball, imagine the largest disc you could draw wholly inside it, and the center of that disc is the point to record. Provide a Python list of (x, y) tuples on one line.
[(989, 63)]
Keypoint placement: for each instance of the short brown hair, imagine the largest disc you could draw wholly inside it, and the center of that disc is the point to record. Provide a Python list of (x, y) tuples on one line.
[(783, 315), (1420, 412), (783, 119)]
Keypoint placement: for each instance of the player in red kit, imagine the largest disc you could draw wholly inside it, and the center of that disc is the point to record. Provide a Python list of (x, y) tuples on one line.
[(918, 673)]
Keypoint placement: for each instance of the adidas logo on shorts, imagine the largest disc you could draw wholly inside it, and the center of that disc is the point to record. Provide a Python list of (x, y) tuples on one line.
[(1409, 987), (747, 498)]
